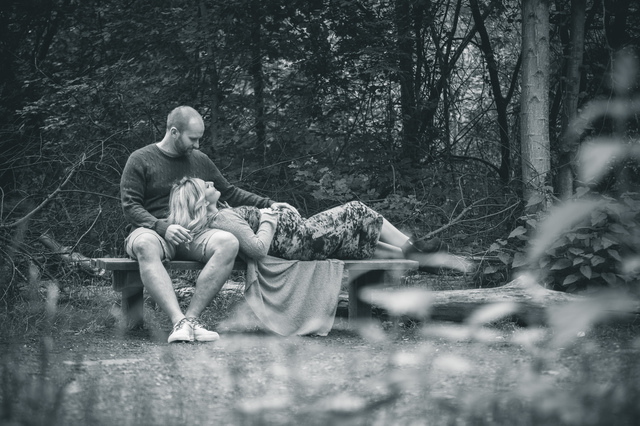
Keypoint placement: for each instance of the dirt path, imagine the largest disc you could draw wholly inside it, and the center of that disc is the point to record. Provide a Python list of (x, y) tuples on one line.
[(370, 377), (376, 374)]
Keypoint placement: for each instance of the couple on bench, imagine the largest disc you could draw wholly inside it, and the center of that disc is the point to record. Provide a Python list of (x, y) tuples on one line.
[(177, 203)]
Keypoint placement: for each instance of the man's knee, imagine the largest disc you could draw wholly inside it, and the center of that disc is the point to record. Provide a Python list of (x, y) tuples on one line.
[(147, 247), (222, 244)]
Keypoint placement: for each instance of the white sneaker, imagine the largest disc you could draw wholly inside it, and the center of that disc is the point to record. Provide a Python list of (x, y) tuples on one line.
[(201, 334), (182, 332)]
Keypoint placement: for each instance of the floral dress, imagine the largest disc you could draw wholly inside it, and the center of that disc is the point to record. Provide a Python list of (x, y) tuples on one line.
[(350, 231)]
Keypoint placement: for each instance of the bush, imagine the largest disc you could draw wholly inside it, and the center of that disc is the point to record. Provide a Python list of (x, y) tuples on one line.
[(586, 244)]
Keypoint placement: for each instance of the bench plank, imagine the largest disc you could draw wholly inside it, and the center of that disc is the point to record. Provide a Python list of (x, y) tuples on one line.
[(362, 273), (123, 264)]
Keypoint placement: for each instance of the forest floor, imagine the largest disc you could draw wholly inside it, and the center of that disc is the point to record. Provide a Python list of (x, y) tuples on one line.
[(378, 373)]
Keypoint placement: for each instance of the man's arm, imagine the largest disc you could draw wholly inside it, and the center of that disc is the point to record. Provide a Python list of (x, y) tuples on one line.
[(132, 195), (236, 196)]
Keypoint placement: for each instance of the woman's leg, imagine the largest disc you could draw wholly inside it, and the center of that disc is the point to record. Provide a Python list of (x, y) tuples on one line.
[(391, 235), (387, 251)]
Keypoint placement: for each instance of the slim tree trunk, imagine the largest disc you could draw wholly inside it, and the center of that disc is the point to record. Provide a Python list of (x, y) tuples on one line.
[(211, 79), (257, 75), (501, 102), (572, 89), (405, 76), (536, 159)]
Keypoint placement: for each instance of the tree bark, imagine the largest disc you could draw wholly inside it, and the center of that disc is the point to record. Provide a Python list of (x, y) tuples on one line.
[(211, 80), (257, 75), (536, 158), (406, 79), (572, 90), (501, 102)]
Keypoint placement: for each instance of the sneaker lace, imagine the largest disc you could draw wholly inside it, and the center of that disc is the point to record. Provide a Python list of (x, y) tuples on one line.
[(180, 323), (195, 322)]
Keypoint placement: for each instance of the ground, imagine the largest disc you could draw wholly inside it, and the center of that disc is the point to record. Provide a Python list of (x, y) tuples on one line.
[(378, 373)]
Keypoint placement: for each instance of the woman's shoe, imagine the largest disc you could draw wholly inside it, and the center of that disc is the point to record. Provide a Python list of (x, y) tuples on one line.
[(430, 246), (422, 252)]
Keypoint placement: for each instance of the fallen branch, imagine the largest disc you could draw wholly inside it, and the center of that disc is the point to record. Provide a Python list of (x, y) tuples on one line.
[(68, 256), (46, 201)]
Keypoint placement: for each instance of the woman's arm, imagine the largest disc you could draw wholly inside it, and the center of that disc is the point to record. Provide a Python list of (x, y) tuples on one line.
[(256, 245)]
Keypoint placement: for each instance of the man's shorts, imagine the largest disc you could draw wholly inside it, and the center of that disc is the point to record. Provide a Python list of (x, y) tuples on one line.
[(195, 250)]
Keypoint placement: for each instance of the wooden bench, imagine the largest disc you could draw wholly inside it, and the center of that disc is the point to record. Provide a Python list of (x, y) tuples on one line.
[(361, 273)]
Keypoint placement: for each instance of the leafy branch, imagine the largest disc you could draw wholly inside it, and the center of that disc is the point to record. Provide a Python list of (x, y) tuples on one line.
[(48, 199)]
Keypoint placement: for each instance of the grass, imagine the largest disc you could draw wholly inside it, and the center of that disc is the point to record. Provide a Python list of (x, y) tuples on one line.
[(67, 363)]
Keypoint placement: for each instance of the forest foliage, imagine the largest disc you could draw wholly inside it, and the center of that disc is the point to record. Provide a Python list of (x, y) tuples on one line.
[(411, 106)]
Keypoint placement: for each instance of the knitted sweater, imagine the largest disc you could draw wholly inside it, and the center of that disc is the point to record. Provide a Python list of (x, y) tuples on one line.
[(149, 175)]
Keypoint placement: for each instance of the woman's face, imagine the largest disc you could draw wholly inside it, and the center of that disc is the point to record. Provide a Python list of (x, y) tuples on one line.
[(211, 194)]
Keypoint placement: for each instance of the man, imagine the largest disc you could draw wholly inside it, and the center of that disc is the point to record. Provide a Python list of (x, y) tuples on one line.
[(145, 186)]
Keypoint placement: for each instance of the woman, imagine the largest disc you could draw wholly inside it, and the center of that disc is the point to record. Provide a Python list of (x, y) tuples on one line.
[(351, 231)]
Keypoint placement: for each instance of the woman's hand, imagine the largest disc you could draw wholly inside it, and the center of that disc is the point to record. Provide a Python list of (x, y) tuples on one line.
[(177, 235), (280, 206)]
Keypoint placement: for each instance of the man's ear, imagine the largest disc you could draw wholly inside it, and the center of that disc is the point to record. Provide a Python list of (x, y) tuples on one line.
[(174, 132)]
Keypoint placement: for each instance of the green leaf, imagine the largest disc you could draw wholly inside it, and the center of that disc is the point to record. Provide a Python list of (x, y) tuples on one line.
[(520, 259), (561, 264), (490, 269), (596, 260), (504, 258), (610, 278), (495, 247), (570, 279), (615, 254), (581, 190), (535, 199), (575, 250), (520, 230), (578, 260), (598, 218), (618, 229), (586, 271)]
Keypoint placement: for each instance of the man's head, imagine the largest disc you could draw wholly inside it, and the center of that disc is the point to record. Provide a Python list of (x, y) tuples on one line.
[(185, 128)]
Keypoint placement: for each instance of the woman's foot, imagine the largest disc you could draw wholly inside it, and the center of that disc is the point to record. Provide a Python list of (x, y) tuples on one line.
[(423, 252), (430, 246)]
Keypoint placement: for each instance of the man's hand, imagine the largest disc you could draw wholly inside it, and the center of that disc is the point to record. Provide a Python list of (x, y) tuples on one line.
[(280, 206), (177, 235)]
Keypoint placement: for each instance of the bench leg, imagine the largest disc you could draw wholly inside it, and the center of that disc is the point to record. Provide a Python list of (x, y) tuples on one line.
[(359, 309), (132, 302)]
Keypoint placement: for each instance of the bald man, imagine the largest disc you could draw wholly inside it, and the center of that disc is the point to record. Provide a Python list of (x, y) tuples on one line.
[(146, 183)]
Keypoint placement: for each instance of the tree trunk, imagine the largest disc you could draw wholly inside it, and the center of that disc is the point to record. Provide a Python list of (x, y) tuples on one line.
[(572, 89), (405, 76), (616, 26), (501, 102), (211, 80), (257, 75), (536, 158)]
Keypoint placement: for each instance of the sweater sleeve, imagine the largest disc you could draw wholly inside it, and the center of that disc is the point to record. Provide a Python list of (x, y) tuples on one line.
[(132, 194), (253, 245)]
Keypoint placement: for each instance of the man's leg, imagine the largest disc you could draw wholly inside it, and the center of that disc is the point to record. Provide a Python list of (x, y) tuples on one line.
[(219, 252), (148, 250)]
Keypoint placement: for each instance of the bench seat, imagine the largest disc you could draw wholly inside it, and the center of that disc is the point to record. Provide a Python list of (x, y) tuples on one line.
[(361, 273)]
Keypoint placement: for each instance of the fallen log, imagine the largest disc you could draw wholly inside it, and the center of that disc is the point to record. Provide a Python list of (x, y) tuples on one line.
[(65, 254), (530, 303)]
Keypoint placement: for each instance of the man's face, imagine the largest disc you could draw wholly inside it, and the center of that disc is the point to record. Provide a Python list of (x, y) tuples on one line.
[(189, 139)]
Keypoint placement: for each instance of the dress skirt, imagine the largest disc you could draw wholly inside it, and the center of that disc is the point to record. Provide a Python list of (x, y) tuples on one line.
[(348, 232)]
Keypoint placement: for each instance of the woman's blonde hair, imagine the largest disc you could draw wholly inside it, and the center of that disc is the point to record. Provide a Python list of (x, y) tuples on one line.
[(187, 205)]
